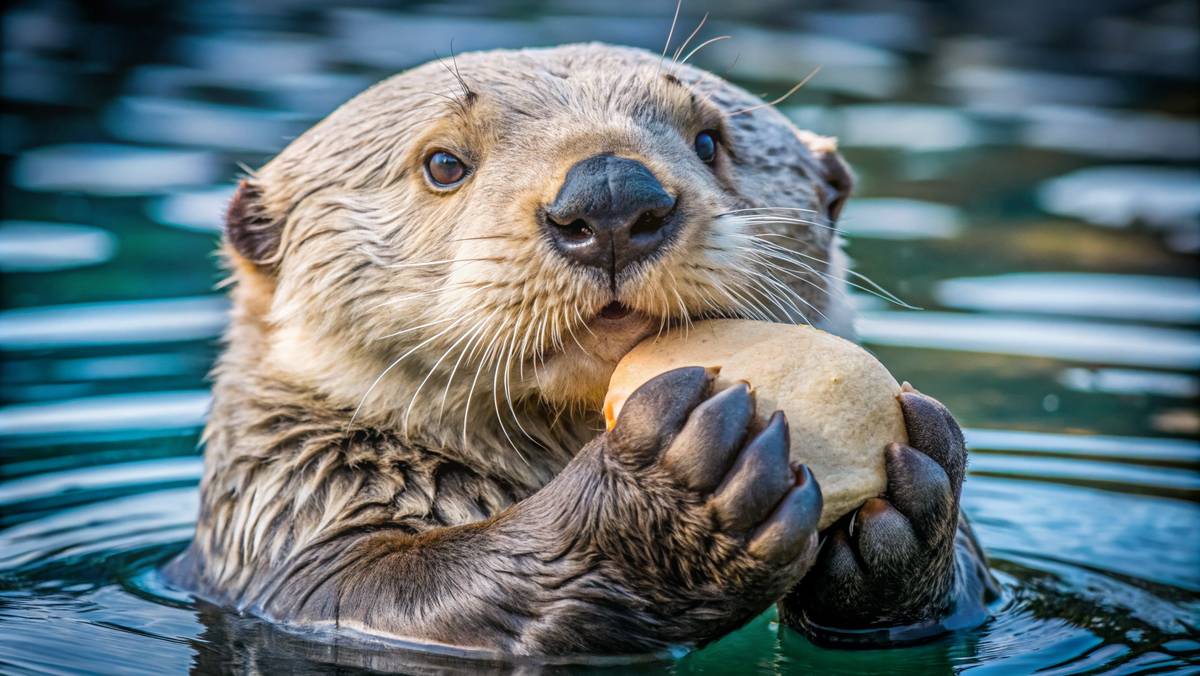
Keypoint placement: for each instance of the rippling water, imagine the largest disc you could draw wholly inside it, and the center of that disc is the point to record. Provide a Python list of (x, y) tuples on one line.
[(1044, 213)]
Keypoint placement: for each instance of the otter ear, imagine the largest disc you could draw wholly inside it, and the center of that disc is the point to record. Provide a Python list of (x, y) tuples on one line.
[(836, 179), (253, 233)]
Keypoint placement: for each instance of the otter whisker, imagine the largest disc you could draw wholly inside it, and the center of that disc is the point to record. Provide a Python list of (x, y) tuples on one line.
[(791, 293), (675, 57), (418, 328), (503, 235), (683, 311), (767, 257), (424, 264), (670, 34), (874, 288), (477, 287), (771, 297), (583, 322), (476, 331), (878, 291), (760, 209), (766, 261), (393, 365), (771, 219), (525, 336), (496, 406), (781, 99), (496, 395), (744, 304), (664, 313), (413, 399), (571, 331), (703, 290), (474, 384), (556, 333), (702, 45), (508, 391), (539, 347)]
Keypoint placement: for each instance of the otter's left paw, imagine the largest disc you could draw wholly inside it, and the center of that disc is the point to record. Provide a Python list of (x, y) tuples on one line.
[(892, 562)]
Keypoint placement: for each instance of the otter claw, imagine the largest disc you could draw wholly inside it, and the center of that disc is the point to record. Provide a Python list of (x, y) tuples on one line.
[(701, 453), (758, 479), (656, 410), (791, 531)]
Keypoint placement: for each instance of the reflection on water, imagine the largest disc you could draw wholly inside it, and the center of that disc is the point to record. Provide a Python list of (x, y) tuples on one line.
[(27, 246), (1066, 339), (1153, 299), (148, 411), (202, 209), (111, 169), (1124, 196), (1130, 381), (1061, 320), (899, 218), (139, 321), (202, 124), (1127, 135)]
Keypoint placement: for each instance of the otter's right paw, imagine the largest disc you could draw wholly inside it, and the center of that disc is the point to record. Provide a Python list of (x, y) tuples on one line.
[(708, 506)]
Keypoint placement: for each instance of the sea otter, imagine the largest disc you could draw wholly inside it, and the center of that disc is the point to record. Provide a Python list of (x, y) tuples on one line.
[(432, 287)]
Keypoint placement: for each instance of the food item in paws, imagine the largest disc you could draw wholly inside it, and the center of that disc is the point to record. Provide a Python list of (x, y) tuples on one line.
[(841, 403)]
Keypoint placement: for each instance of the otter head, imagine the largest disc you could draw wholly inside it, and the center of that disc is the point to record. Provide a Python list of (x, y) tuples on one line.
[(496, 233)]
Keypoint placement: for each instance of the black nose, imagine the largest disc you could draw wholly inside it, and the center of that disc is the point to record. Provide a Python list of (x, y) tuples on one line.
[(609, 213)]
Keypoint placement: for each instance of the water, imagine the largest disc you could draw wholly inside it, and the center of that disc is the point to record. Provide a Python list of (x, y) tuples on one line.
[(1029, 186)]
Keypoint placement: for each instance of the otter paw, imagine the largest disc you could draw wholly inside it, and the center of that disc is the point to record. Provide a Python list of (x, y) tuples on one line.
[(733, 522), (892, 562)]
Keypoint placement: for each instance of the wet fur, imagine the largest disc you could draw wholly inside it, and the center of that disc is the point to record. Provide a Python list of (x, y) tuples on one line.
[(414, 498)]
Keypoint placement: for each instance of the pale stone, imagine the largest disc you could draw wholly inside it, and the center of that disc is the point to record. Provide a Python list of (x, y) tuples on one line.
[(841, 403)]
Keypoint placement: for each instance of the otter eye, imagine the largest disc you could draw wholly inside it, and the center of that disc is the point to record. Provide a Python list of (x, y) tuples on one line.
[(444, 169), (706, 146)]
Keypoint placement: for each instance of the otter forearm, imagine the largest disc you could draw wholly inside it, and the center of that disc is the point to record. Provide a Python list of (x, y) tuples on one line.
[(528, 581)]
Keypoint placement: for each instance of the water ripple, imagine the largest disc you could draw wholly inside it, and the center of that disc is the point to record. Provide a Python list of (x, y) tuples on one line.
[(1171, 300), (33, 246), (123, 322), (1093, 342)]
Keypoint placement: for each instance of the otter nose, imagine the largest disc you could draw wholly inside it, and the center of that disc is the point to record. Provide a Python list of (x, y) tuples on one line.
[(609, 213)]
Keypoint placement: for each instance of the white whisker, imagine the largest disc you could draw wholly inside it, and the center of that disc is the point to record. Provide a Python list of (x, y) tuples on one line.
[(675, 57), (670, 34), (702, 45), (783, 98), (391, 366)]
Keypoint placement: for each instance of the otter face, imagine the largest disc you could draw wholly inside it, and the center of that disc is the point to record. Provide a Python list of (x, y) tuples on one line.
[(508, 226)]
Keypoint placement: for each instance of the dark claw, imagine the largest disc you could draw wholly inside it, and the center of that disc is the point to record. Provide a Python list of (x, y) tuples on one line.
[(791, 530), (885, 538), (701, 453), (758, 480), (920, 489), (933, 431), (893, 563), (839, 575), (656, 410)]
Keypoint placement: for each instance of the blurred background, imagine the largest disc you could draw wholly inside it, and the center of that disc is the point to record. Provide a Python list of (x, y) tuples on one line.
[(1028, 176)]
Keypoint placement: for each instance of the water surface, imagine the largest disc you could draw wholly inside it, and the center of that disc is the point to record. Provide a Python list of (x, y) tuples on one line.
[(1029, 187)]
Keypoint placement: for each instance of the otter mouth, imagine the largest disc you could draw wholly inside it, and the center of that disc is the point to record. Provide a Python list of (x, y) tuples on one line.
[(614, 311)]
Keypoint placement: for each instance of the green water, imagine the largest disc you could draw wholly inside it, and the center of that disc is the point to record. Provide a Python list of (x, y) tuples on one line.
[(1030, 186)]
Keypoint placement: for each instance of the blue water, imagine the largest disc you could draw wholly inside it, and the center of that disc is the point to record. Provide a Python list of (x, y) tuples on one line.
[(1027, 183)]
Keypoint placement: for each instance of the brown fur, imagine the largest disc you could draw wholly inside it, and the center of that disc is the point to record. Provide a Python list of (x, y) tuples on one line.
[(407, 371)]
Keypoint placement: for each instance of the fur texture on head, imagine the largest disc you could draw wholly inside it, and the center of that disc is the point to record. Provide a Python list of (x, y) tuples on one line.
[(444, 314)]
